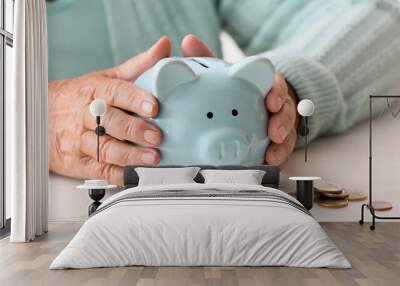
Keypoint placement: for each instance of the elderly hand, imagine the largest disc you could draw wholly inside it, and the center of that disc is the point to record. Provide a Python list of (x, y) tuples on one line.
[(71, 126), (281, 102)]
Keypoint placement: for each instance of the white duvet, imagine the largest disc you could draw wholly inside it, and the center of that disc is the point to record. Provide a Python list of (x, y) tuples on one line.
[(200, 231)]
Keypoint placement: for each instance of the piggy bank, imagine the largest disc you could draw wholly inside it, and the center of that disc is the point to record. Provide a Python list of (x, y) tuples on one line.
[(211, 112)]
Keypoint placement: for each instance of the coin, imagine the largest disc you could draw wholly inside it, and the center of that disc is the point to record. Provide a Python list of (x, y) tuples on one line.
[(326, 186), (334, 204), (356, 196), (341, 195), (381, 205)]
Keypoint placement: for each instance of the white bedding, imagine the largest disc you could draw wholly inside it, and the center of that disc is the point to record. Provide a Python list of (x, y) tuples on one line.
[(224, 231)]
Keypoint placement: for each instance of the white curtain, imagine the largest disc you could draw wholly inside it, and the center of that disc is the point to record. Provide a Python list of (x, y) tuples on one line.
[(27, 122)]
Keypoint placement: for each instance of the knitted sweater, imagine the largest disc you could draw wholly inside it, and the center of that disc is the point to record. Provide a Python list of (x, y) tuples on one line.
[(335, 53)]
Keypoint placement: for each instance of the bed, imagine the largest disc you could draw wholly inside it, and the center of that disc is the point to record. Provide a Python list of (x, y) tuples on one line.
[(201, 224)]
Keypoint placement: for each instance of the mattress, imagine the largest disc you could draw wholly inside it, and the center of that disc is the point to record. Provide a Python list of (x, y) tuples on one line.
[(201, 225)]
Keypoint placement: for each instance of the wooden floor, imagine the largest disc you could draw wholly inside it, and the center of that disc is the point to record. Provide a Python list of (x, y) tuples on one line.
[(375, 257)]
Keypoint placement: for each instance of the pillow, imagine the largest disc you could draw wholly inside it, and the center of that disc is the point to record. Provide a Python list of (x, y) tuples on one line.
[(163, 176), (248, 177)]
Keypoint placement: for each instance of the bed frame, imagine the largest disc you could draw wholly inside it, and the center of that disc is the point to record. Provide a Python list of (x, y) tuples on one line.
[(131, 179), (270, 179)]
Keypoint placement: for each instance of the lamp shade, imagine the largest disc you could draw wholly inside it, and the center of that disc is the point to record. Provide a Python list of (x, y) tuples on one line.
[(305, 107), (98, 107)]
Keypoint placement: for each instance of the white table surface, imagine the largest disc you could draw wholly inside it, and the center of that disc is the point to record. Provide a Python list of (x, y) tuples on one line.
[(304, 178)]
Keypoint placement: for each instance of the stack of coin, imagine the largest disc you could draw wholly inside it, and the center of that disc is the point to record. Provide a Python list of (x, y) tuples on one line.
[(330, 195)]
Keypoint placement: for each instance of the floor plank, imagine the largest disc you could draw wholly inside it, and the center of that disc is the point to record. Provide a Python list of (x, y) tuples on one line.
[(375, 257)]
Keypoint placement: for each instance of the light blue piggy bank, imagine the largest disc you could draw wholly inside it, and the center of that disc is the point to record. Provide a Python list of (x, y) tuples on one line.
[(211, 112)]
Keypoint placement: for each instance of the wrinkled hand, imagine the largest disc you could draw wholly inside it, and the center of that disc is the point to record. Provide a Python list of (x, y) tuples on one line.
[(282, 103), (72, 141)]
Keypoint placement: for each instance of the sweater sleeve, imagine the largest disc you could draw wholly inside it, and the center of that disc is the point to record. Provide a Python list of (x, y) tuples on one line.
[(335, 53)]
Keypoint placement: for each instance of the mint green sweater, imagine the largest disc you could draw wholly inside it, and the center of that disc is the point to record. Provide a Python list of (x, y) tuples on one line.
[(335, 53)]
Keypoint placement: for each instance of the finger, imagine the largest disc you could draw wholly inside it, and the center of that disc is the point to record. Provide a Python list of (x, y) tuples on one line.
[(278, 94), (281, 123), (134, 67), (275, 99), (115, 152), (99, 170), (194, 47), (123, 126), (278, 153), (122, 94)]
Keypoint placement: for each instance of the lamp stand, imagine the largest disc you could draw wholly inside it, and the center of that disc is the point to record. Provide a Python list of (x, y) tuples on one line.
[(370, 206), (100, 131)]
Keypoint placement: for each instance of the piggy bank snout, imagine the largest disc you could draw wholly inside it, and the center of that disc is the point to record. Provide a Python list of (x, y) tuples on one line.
[(226, 146)]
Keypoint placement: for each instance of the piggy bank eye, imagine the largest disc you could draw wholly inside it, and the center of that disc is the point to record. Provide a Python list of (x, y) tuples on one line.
[(210, 115), (235, 112)]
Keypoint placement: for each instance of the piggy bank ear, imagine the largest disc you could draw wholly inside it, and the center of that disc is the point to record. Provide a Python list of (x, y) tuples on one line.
[(257, 70), (170, 74)]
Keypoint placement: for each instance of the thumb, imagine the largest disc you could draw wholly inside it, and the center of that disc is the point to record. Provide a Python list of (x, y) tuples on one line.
[(194, 47), (134, 67)]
